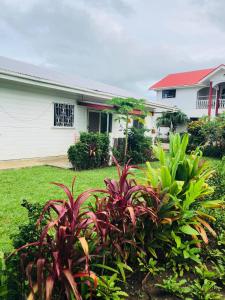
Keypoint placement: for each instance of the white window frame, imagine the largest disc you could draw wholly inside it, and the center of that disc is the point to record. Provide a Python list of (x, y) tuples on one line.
[(99, 125)]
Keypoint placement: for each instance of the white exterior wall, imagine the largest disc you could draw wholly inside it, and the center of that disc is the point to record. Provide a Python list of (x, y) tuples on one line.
[(186, 97), (26, 124), (185, 100)]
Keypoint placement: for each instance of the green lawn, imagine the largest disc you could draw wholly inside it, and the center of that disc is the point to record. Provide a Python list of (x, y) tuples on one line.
[(34, 185)]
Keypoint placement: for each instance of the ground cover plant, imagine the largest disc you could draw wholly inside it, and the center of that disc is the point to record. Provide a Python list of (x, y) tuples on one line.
[(133, 236)]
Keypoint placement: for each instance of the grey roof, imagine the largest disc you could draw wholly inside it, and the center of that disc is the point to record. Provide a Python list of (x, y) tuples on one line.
[(71, 81)]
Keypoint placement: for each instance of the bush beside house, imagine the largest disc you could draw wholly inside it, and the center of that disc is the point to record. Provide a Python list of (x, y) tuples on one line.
[(92, 151), (139, 147)]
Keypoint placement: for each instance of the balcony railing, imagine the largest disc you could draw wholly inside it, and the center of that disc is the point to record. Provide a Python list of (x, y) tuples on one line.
[(203, 101)]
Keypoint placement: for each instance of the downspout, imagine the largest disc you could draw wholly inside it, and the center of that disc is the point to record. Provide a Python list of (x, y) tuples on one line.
[(210, 100)]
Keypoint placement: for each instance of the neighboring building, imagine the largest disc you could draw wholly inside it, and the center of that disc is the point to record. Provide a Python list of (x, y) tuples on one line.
[(42, 112), (196, 93)]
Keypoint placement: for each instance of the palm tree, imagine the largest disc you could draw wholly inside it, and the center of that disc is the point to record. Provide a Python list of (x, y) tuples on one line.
[(172, 119)]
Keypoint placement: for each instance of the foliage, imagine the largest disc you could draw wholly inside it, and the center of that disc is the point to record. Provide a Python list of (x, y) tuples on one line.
[(174, 287), (139, 147), (172, 119), (197, 137), (62, 258), (180, 181), (92, 151), (121, 211), (205, 290), (3, 278), (124, 111), (218, 180), (210, 134), (108, 288)]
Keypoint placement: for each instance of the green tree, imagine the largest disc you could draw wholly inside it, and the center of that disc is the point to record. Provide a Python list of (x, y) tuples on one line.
[(172, 119), (124, 111)]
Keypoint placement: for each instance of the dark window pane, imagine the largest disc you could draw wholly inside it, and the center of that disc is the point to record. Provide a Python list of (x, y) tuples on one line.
[(110, 122), (94, 119), (104, 119), (169, 93)]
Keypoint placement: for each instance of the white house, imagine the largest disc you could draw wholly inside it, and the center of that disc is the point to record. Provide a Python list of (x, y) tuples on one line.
[(42, 112), (196, 93)]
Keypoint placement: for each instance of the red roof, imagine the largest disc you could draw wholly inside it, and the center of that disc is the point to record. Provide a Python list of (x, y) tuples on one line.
[(182, 79)]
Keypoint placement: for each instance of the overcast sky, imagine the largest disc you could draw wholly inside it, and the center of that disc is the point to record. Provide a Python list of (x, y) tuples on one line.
[(128, 43)]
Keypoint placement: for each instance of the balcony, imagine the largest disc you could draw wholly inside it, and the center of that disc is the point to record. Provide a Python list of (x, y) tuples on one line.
[(202, 102)]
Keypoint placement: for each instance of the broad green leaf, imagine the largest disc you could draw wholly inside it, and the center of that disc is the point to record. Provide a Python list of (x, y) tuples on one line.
[(187, 229)]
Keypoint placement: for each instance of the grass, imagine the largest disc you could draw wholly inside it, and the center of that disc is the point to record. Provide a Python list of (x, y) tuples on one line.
[(33, 184)]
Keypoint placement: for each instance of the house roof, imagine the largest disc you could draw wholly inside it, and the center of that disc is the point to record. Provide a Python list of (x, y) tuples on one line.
[(183, 79), (16, 70), (51, 76)]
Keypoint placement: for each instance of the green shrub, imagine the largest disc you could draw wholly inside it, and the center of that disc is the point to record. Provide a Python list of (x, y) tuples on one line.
[(210, 135), (197, 137), (139, 147), (92, 151)]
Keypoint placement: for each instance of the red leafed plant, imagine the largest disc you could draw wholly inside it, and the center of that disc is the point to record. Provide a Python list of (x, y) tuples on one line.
[(61, 263), (122, 210)]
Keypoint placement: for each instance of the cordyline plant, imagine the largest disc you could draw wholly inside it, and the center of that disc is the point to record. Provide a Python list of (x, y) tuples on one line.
[(122, 210), (61, 263)]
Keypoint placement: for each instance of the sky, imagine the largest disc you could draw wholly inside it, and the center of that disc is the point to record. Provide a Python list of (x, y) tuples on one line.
[(127, 43)]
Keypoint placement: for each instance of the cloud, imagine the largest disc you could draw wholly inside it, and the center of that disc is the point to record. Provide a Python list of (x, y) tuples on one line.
[(128, 43)]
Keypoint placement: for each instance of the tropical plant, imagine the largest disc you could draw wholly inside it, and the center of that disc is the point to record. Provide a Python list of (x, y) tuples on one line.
[(172, 120), (205, 290), (175, 287), (124, 109), (150, 266), (180, 180), (139, 147), (121, 211), (109, 289), (61, 260)]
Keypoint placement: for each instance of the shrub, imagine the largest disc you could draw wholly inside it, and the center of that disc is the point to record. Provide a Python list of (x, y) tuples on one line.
[(181, 182), (139, 147), (210, 135), (197, 137), (121, 212), (60, 262), (92, 151)]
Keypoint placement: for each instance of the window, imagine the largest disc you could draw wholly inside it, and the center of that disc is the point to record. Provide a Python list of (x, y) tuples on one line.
[(168, 93), (99, 122), (63, 115)]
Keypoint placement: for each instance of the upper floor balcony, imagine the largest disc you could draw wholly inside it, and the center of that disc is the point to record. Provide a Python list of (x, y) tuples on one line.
[(203, 102), (218, 98)]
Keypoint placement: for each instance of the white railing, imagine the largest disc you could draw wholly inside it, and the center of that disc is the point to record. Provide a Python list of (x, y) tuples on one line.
[(203, 101)]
